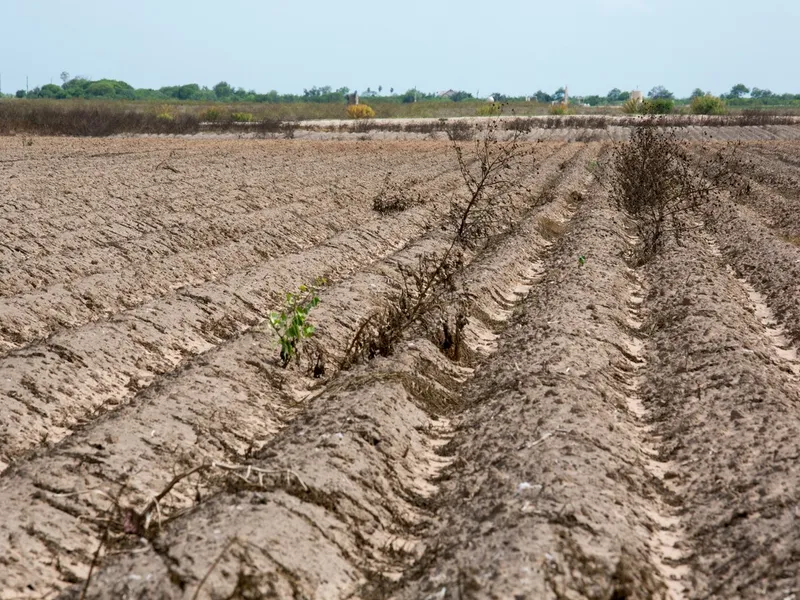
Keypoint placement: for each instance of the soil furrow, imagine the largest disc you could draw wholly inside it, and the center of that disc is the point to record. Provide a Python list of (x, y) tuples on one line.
[(366, 449), (104, 364), (724, 404), (106, 361), (110, 243), (550, 495), (770, 264), (249, 410)]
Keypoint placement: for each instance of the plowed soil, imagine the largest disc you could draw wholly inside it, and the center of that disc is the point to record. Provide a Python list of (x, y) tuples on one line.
[(610, 432)]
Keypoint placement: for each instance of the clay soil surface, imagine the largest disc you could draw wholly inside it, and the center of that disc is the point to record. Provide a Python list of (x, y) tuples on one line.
[(609, 431)]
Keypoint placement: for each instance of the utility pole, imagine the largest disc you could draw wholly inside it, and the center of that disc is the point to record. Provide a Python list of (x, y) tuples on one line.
[(26, 84)]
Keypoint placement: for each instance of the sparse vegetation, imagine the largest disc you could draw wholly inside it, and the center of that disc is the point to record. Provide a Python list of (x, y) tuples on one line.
[(492, 109), (428, 291), (654, 180), (490, 173), (708, 105), (395, 197), (360, 111), (242, 117), (291, 322)]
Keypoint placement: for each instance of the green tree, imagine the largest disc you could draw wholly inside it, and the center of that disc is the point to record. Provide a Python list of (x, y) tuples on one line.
[(410, 96), (738, 91), (708, 105), (559, 95), (100, 89), (461, 95), (759, 93), (189, 91), (660, 93), (51, 91), (614, 95), (223, 90), (697, 93)]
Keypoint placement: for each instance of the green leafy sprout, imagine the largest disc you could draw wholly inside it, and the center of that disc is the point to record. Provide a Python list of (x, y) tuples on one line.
[(291, 323)]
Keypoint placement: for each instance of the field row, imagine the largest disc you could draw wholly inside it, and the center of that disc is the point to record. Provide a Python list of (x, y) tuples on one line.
[(610, 430)]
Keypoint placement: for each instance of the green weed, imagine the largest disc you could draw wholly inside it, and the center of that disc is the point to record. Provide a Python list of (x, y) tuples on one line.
[(291, 322)]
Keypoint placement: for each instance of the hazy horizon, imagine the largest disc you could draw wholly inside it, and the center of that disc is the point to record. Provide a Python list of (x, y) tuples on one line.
[(590, 45)]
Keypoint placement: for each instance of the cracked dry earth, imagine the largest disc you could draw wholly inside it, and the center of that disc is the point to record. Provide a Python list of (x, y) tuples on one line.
[(612, 431)]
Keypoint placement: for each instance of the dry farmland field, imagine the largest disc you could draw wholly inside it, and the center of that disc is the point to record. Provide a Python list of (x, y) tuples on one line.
[(561, 421)]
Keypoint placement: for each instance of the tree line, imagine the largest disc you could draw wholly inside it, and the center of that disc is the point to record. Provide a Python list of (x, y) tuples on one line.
[(112, 89)]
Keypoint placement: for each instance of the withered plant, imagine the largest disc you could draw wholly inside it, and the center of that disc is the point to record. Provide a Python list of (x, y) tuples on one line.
[(395, 197), (425, 289), (428, 294), (490, 173), (655, 179)]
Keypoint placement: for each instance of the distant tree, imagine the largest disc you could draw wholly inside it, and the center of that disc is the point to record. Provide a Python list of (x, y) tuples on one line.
[(543, 97), (76, 87), (51, 91), (20, 94), (498, 97), (100, 89), (594, 100), (391, 90), (223, 90), (624, 96), (189, 91), (380, 89), (738, 91), (64, 78), (697, 93), (409, 96), (660, 93), (759, 93), (614, 95), (559, 95), (460, 95)]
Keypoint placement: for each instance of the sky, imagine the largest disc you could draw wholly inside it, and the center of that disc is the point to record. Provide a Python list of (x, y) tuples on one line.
[(481, 46)]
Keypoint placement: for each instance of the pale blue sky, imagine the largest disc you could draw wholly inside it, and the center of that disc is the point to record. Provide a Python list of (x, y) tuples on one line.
[(512, 47)]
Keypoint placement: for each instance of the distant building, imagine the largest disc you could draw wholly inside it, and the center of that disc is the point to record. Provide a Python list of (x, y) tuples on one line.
[(447, 94), (490, 99), (352, 98), (637, 96)]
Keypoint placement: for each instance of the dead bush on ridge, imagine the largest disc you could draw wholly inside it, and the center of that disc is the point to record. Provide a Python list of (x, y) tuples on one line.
[(395, 197), (425, 290), (428, 295), (654, 180), (490, 173)]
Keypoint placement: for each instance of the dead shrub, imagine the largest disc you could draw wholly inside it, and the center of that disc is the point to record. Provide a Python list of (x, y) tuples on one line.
[(428, 297), (425, 290), (395, 197), (490, 174), (655, 181), (459, 131)]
